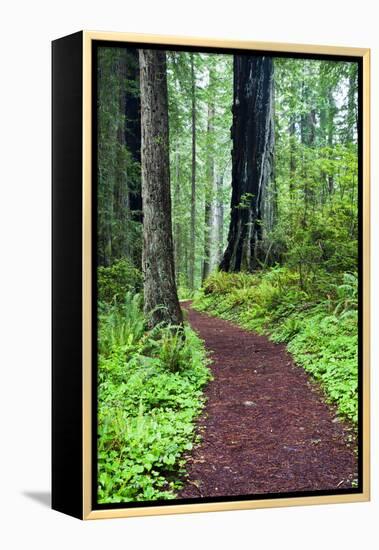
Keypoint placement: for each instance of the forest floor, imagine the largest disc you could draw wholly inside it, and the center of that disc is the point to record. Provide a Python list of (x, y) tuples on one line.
[(266, 427)]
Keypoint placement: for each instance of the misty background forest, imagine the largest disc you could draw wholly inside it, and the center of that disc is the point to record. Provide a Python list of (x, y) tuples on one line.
[(227, 185)]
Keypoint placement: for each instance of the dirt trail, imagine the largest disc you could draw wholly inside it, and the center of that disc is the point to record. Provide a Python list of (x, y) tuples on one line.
[(265, 427)]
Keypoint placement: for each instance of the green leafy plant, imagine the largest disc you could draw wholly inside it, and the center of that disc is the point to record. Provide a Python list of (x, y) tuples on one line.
[(149, 395), (347, 294), (116, 281)]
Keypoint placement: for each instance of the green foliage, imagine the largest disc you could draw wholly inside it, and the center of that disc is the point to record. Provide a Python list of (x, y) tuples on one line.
[(150, 382), (184, 292), (116, 281), (173, 350), (214, 94), (318, 325), (119, 170), (149, 394), (121, 326), (347, 295), (327, 346), (315, 195), (310, 208)]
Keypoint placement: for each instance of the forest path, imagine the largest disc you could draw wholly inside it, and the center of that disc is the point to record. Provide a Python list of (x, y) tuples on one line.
[(265, 426)]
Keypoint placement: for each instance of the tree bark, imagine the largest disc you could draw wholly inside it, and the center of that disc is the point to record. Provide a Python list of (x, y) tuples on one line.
[(209, 197), (161, 304), (121, 243), (207, 242), (292, 133), (331, 114), (308, 137), (252, 155), (214, 228), (193, 181), (220, 216), (176, 225), (352, 112), (119, 130)]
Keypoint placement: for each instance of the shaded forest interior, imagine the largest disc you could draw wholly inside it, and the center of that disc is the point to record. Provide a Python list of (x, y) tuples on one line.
[(230, 180), (293, 167)]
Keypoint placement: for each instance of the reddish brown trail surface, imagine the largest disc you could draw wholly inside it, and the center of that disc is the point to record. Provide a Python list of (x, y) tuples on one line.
[(266, 427)]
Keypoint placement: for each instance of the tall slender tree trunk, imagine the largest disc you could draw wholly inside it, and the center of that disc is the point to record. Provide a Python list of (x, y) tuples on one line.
[(177, 227), (160, 294), (220, 215), (323, 132), (207, 242), (308, 119), (193, 181), (209, 196), (214, 229), (185, 257), (352, 111), (108, 250), (121, 199), (308, 136), (292, 133), (132, 132), (331, 113), (252, 156)]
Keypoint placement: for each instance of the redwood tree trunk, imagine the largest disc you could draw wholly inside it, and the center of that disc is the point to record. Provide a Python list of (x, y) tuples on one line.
[(253, 144), (160, 294)]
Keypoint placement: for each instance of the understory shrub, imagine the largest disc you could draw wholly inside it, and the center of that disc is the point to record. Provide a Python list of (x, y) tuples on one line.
[(184, 292), (116, 280), (149, 394)]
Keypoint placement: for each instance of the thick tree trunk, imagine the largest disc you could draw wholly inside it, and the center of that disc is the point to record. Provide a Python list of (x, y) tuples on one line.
[(193, 182), (160, 295), (253, 143)]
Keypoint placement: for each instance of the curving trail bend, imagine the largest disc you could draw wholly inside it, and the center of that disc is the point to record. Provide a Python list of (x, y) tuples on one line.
[(266, 427)]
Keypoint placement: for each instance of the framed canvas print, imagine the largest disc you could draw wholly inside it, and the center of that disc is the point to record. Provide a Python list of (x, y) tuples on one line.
[(210, 275)]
